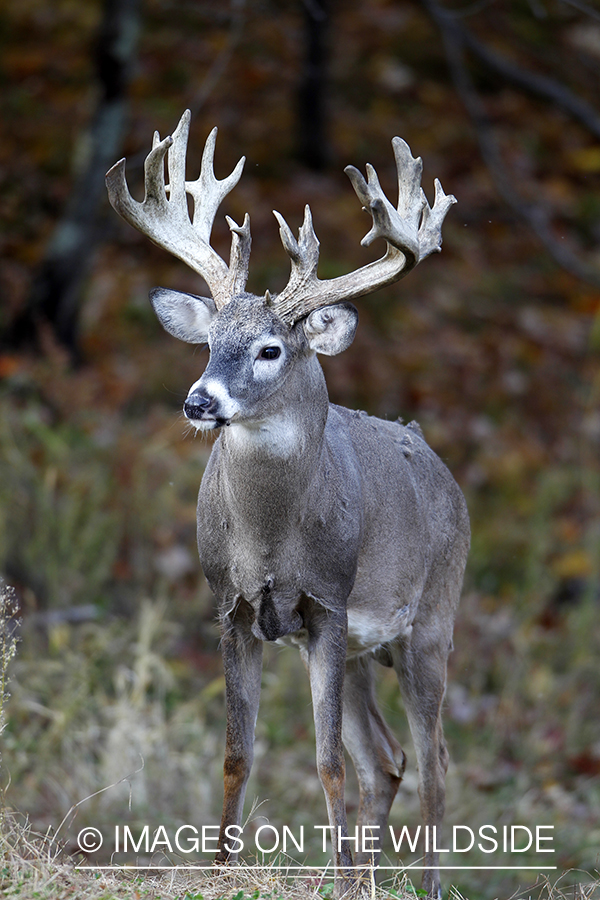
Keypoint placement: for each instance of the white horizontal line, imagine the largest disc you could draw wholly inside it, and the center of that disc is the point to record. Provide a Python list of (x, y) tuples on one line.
[(240, 869)]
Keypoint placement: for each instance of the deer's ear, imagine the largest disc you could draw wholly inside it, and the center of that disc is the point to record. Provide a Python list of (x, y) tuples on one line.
[(185, 316), (331, 329)]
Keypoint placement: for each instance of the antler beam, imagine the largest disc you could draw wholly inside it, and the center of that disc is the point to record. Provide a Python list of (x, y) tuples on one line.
[(164, 217), (412, 231)]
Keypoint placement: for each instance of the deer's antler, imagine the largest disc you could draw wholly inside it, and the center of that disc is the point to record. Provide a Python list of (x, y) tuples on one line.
[(163, 215), (412, 232)]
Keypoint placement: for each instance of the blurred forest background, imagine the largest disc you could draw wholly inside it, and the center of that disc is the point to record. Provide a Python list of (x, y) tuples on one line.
[(493, 346)]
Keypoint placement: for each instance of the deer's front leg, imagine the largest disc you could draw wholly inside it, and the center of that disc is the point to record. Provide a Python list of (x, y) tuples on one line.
[(242, 662), (326, 666)]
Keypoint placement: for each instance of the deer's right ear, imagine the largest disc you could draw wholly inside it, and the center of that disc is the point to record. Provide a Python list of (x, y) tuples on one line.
[(331, 329), (185, 316)]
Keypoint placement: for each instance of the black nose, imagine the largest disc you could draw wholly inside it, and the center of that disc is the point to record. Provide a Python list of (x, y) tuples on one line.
[(197, 404)]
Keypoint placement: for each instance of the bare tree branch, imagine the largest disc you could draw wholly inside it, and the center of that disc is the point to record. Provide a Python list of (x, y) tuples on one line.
[(542, 85), (536, 216), (584, 8)]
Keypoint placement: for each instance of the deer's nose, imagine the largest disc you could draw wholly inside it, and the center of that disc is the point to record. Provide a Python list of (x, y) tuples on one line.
[(197, 404)]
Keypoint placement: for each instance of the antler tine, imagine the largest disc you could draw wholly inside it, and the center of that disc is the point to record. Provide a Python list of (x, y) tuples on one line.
[(412, 231), (207, 191), (239, 260), (163, 215), (303, 253), (430, 233)]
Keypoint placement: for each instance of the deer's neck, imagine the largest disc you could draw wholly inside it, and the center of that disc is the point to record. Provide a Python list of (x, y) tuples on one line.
[(268, 467)]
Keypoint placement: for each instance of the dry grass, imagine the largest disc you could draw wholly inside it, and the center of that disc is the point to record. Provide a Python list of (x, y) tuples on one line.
[(9, 623), (107, 694), (31, 868)]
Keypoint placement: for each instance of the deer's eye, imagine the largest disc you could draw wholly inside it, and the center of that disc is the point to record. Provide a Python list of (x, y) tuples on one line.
[(269, 353)]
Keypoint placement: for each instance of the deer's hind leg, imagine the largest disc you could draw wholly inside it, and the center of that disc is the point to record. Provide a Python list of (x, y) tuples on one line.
[(420, 663), (376, 754)]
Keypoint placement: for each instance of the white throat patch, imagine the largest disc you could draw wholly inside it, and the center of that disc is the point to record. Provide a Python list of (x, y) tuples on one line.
[(277, 436)]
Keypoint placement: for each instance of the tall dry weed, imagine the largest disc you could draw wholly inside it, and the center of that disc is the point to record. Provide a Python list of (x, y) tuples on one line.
[(9, 629)]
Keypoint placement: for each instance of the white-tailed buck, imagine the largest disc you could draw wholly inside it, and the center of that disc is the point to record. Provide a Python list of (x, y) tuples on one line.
[(318, 526)]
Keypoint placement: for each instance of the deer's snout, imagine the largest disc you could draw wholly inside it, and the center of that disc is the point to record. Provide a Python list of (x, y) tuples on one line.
[(209, 404), (198, 405)]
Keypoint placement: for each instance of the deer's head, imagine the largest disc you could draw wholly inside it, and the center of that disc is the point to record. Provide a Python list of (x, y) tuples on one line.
[(256, 342)]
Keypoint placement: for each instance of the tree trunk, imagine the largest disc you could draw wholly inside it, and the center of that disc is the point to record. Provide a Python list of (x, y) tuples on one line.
[(55, 294), (313, 143)]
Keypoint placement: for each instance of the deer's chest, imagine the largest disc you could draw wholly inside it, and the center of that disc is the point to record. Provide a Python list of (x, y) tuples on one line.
[(308, 559), (309, 553)]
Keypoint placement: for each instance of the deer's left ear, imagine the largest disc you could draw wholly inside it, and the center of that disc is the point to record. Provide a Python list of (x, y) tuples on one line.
[(331, 329), (185, 316)]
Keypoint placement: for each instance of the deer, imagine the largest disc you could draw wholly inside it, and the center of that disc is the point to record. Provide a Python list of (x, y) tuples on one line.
[(318, 526)]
